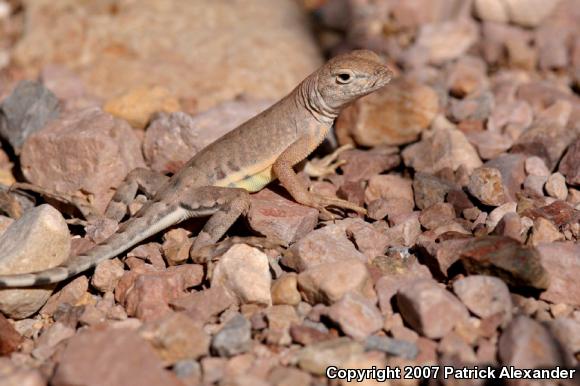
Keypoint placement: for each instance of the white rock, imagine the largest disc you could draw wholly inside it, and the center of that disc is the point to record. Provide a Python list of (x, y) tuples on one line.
[(245, 272), (491, 10), (38, 240), (529, 13)]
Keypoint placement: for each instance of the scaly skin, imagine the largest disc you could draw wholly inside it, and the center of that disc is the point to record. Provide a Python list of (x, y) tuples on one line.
[(216, 181)]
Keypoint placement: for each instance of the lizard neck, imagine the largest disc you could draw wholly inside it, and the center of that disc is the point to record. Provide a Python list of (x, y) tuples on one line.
[(310, 99)]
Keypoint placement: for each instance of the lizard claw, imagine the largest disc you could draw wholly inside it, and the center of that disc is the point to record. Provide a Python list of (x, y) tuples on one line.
[(320, 167)]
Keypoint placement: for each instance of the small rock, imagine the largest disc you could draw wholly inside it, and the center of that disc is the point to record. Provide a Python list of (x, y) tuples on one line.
[(535, 166), (70, 294), (526, 344), (137, 105), (556, 186), (328, 282), (475, 107), (108, 148), (176, 337), (285, 290), (280, 318), (563, 266), (10, 339), (567, 331), (534, 185), (570, 164), (176, 246), (486, 185), (150, 252), (511, 168), (439, 149), (430, 190), (203, 305), (429, 309), (484, 296), (367, 239), (245, 271), (146, 293), (389, 187), (325, 245), (47, 343), (511, 225), (489, 144), (17, 375), (289, 376), (93, 357), (558, 212), (394, 275), (447, 40), (549, 135), (466, 76), (363, 164), (391, 116), (234, 338), (390, 346), (107, 274), (38, 240), (516, 264), (436, 215), (452, 345), (491, 10), (277, 217), (498, 213), (28, 109), (544, 232), (317, 357), (356, 316), (529, 13)]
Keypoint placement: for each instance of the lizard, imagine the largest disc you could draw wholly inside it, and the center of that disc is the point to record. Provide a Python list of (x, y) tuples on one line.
[(217, 180)]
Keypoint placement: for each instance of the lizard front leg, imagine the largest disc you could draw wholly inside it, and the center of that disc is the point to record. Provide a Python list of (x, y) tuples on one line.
[(283, 170)]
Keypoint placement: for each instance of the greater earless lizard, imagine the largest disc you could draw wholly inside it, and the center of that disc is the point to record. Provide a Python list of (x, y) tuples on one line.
[(216, 181)]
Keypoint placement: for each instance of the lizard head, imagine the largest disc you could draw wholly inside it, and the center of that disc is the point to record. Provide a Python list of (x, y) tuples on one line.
[(349, 76)]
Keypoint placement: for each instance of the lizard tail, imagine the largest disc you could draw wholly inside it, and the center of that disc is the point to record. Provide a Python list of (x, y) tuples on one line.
[(129, 234)]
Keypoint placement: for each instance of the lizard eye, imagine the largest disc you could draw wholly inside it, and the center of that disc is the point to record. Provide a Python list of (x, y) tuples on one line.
[(344, 77)]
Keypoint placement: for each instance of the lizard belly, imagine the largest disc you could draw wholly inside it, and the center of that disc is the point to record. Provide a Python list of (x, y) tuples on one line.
[(252, 182)]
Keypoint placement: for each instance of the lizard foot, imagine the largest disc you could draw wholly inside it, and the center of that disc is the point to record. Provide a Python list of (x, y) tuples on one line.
[(320, 202), (320, 167)]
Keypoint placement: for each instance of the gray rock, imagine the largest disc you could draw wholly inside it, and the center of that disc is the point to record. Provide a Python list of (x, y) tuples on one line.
[(26, 110), (37, 241), (234, 338), (395, 347)]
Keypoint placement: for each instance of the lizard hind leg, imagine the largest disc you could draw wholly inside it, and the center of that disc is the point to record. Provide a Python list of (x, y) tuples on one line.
[(146, 180), (224, 205)]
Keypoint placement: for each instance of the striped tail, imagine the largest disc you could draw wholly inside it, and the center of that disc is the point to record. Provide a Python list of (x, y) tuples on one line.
[(130, 233)]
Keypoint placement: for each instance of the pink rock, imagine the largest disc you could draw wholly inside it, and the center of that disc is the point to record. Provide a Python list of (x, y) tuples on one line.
[(561, 261), (91, 152), (570, 164), (429, 309), (106, 356), (439, 149), (367, 239), (277, 217), (391, 116), (363, 164), (356, 316), (526, 344), (146, 294), (387, 187), (69, 294), (327, 283), (486, 185), (10, 339), (467, 75), (485, 296), (325, 245), (107, 274), (436, 215), (511, 168), (205, 304)]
